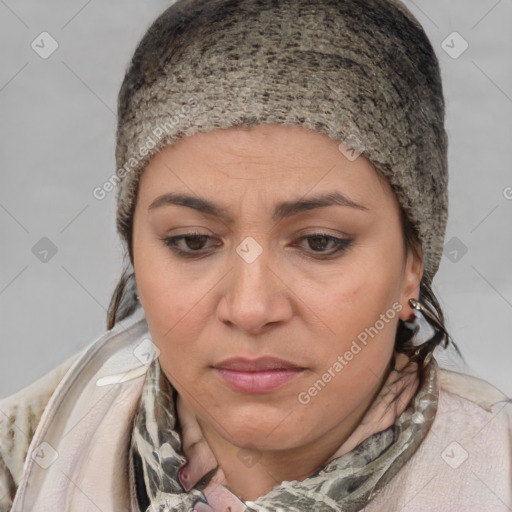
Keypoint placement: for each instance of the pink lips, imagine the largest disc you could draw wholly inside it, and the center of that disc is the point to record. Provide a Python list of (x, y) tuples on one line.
[(256, 376)]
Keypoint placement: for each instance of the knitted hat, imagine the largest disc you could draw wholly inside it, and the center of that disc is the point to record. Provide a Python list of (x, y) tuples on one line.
[(362, 72)]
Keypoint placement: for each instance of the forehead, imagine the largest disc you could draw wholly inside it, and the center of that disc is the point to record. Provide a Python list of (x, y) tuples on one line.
[(266, 160)]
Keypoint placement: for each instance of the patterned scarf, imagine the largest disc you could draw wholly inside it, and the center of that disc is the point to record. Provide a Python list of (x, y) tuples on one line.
[(356, 472)]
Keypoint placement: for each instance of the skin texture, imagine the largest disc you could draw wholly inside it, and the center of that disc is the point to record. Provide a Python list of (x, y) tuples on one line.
[(288, 303)]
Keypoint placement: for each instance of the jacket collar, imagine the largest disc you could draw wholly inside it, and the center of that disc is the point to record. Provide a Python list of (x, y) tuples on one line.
[(86, 424)]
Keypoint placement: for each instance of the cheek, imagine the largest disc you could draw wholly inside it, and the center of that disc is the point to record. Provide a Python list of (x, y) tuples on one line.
[(353, 296), (357, 343), (175, 304), (356, 308), (159, 288)]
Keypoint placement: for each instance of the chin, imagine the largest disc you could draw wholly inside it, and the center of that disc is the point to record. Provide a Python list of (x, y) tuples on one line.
[(265, 431)]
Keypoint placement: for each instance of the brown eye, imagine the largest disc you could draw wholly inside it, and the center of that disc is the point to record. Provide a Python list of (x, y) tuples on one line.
[(318, 242), (193, 244)]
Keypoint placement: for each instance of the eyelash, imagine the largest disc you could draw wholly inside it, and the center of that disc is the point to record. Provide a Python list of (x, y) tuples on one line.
[(341, 243)]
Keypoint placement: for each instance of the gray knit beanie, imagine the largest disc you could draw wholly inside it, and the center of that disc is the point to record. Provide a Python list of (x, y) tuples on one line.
[(362, 72)]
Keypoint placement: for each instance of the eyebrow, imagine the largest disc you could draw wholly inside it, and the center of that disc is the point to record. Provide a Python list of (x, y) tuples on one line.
[(282, 210)]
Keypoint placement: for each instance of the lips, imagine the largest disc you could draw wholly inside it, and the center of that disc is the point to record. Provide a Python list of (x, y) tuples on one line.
[(242, 364), (262, 375)]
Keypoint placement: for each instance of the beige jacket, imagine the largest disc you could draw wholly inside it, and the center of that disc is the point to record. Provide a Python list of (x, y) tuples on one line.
[(64, 439)]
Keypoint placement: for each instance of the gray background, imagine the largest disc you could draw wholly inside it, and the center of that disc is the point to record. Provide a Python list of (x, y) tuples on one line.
[(57, 144)]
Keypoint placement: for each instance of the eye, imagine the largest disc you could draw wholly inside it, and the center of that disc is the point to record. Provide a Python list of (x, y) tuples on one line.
[(318, 242), (195, 242)]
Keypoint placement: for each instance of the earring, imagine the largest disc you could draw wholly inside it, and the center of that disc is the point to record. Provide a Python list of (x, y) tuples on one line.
[(425, 351)]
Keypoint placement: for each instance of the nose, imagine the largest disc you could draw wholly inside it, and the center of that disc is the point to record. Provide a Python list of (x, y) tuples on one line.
[(255, 295)]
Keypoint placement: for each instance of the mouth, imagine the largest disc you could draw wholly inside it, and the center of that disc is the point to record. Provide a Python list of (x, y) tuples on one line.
[(258, 375)]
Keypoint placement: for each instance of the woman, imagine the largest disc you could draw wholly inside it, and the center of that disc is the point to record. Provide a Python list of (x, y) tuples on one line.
[(282, 194)]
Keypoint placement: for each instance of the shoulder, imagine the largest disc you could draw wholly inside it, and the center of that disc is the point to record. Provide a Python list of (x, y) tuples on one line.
[(469, 448), (474, 411), (471, 388), (465, 460), (19, 416)]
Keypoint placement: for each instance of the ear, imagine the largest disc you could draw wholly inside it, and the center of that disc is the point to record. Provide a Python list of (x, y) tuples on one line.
[(413, 272)]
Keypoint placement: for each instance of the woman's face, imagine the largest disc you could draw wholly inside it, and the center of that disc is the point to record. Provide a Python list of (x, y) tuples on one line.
[(283, 265)]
